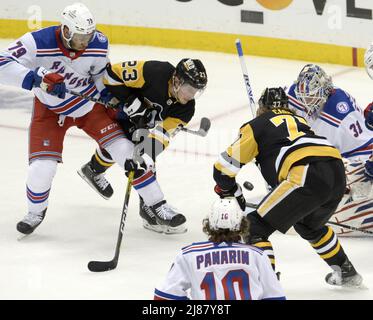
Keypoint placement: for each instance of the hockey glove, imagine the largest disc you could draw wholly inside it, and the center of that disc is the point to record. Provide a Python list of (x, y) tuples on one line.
[(369, 116), (49, 82), (236, 192), (369, 169), (138, 111), (139, 167), (109, 100)]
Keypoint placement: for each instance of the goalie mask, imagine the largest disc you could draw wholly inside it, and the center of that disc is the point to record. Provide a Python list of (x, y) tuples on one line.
[(189, 80), (225, 214), (313, 87), (81, 26)]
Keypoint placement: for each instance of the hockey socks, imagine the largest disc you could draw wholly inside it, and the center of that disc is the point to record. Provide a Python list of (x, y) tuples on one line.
[(266, 246), (328, 248), (101, 161)]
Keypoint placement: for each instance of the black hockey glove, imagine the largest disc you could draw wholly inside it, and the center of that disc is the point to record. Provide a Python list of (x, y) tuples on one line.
[(236, 192), (139, 167), (138, 111)]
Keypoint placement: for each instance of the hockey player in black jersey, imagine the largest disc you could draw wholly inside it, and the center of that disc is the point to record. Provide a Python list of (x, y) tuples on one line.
[(307, 177), (152, 95)]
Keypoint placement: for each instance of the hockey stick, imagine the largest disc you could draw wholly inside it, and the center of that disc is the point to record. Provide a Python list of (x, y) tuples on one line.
[(349, 227), (101, 266), (247, 185), (204, 128), (246, 77), (202, 131), (83, 96)]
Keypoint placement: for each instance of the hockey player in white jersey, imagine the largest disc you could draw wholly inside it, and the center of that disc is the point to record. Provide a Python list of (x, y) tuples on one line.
[(71, 56), (333, 113), (222, 268)]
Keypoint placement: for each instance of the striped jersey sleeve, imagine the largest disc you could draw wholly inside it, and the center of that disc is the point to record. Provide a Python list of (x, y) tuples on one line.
[(17, 63), (176, 284), (239, 153)]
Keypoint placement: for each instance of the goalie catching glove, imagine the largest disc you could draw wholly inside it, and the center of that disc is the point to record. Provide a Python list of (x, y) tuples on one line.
[(236, 192)]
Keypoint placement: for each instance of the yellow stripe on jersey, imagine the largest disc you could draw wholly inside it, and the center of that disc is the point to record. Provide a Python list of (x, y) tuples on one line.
[(165, 142), (223, 169), (245, 148), (170, 124), (242, 151), (304, 152), (164, 130), (295, 179), (131, 74)]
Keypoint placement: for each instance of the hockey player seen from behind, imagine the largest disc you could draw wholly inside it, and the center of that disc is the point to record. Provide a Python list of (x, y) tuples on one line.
[(49, 61), (223, 268), (307, 177), (153, 95), (334, 114)]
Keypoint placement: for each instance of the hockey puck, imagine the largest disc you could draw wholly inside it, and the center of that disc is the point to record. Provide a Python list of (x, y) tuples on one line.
[(248, 185)]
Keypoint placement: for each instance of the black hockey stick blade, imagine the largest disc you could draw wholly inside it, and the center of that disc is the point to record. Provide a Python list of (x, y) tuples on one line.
[(204, 128), (205, 124), (102, 266)]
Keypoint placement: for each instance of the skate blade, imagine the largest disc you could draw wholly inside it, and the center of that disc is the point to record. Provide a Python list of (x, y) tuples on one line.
[(164, 229), (22, 236), (361, 286), (82, 175), (175, 231)]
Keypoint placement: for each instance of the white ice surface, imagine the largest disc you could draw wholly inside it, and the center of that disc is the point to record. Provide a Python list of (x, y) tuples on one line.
[(81, 226)]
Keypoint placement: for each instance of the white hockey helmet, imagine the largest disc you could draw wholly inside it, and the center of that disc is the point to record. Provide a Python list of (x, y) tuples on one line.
[(79, 20), (368, 60), (225, 214)]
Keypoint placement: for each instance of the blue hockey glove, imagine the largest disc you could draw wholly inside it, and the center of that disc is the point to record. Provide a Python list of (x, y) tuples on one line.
[(110, 100)]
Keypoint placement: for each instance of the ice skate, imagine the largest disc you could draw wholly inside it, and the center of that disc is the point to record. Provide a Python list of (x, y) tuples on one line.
[(30, 222), (162, 218), (345, 276), (97, 181)]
